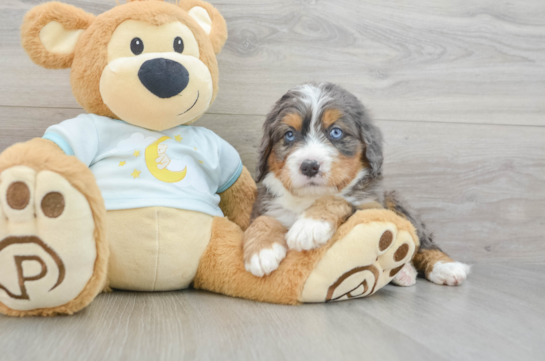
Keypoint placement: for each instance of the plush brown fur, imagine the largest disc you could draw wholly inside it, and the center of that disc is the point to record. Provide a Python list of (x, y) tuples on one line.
[(222, 269), (41, 154), (218, 34), (265, 231), (425, 259), (262, 234), (371, 205), (236, 202), (70, 17), (91, 52)]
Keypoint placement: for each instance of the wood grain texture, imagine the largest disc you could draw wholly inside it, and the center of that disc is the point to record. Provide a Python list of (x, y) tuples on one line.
[(469, 61), (484, 319)]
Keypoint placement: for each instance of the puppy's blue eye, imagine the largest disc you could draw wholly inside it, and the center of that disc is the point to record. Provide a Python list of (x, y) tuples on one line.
[(289, 136), (336, 133)]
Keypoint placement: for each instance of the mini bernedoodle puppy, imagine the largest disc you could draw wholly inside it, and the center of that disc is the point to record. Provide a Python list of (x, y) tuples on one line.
[(320, 161)]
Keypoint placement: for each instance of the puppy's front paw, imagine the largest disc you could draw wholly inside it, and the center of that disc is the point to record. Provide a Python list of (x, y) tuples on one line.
[(266, 260), (450, 273), (308, 233)]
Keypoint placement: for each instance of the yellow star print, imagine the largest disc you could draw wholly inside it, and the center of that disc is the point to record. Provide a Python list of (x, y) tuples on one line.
[(136, 174), (136, 153), (178, 138), (121, 164), (200, 161)]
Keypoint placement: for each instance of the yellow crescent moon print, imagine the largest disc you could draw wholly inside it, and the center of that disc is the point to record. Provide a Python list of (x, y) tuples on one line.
[(164, 174)]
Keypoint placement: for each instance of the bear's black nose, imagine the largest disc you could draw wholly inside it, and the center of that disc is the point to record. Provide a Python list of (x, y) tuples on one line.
[(163, 77), (310, 168)]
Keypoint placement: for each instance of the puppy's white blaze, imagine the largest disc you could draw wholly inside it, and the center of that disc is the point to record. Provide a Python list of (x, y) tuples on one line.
[(406, 276), (310, 95), (307, 234), (314, 99), (266, 261), (450, 273)]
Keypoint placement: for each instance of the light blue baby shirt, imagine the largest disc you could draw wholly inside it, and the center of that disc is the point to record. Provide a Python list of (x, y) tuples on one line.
[(183, 167)]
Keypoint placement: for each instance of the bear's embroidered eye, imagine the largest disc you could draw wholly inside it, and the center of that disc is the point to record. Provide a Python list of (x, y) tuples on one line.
[(137, 46), (178, 45), (336, 133), (289, 136)]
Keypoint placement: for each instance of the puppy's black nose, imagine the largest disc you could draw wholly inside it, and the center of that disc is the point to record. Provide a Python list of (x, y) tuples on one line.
[(310, 168), (163, 77)]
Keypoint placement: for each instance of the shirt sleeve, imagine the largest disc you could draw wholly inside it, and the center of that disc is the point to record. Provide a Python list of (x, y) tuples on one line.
[(230, 165), (76, 137)]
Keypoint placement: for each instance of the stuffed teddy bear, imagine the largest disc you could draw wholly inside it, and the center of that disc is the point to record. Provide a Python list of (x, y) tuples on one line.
[(130, 196)]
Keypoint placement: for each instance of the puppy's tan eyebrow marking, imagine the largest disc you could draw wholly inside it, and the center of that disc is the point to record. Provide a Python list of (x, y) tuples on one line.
[(330, 116), (294, 120)]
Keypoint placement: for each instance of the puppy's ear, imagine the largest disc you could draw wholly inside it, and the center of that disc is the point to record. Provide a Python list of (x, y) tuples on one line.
[(50, 33), (265, 150), (372, 137), (209, 19), (267, 142)]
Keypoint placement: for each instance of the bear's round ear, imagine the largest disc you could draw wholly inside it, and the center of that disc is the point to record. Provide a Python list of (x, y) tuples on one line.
[(50, 32), (209, 19)]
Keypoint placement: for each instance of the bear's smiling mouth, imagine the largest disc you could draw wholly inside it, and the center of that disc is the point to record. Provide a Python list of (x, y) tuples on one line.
[(191, 107)]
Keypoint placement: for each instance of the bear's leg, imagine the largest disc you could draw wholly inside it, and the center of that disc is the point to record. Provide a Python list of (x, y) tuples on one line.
[(53, 253), (364, 255)]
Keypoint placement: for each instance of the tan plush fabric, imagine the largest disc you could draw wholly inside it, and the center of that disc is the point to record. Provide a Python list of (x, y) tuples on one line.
[(69, 17), (54, 254), (90, 55), (155, 248), (359, 249), (40, 154), (57, 40), (222, 270), (218, 32), (236, 202)]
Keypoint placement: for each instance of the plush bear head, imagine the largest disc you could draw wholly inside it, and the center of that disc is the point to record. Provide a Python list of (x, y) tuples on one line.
[(147, 62)]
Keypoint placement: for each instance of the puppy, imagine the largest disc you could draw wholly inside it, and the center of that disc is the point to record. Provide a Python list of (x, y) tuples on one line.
[(320, 161)]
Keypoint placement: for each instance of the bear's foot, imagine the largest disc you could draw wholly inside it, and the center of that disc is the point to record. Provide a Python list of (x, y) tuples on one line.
[(367, 253), (48, 248)]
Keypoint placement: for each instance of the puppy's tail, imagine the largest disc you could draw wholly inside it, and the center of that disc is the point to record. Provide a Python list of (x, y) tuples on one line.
[(394, 202)]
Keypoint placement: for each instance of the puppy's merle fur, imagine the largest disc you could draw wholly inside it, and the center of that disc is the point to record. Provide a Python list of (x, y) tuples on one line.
[(302, 158)]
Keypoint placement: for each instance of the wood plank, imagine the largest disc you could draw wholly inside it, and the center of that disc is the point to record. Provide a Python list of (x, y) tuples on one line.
[(480, 188), (475, 62), (475, 321)]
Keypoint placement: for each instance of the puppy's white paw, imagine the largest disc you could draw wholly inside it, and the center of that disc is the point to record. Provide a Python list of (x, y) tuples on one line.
[(266, 261), (406, 276), (451, 273), (308, 233)]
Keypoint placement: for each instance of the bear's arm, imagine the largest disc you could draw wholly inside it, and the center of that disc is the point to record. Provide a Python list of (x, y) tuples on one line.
[(237, 201), (21, 152)]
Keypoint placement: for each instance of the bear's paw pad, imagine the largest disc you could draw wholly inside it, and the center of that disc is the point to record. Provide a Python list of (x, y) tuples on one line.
[(47, 244), (360, 263)]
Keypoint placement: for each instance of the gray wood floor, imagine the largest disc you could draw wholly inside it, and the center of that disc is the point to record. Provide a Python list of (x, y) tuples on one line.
[(458, 89)]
